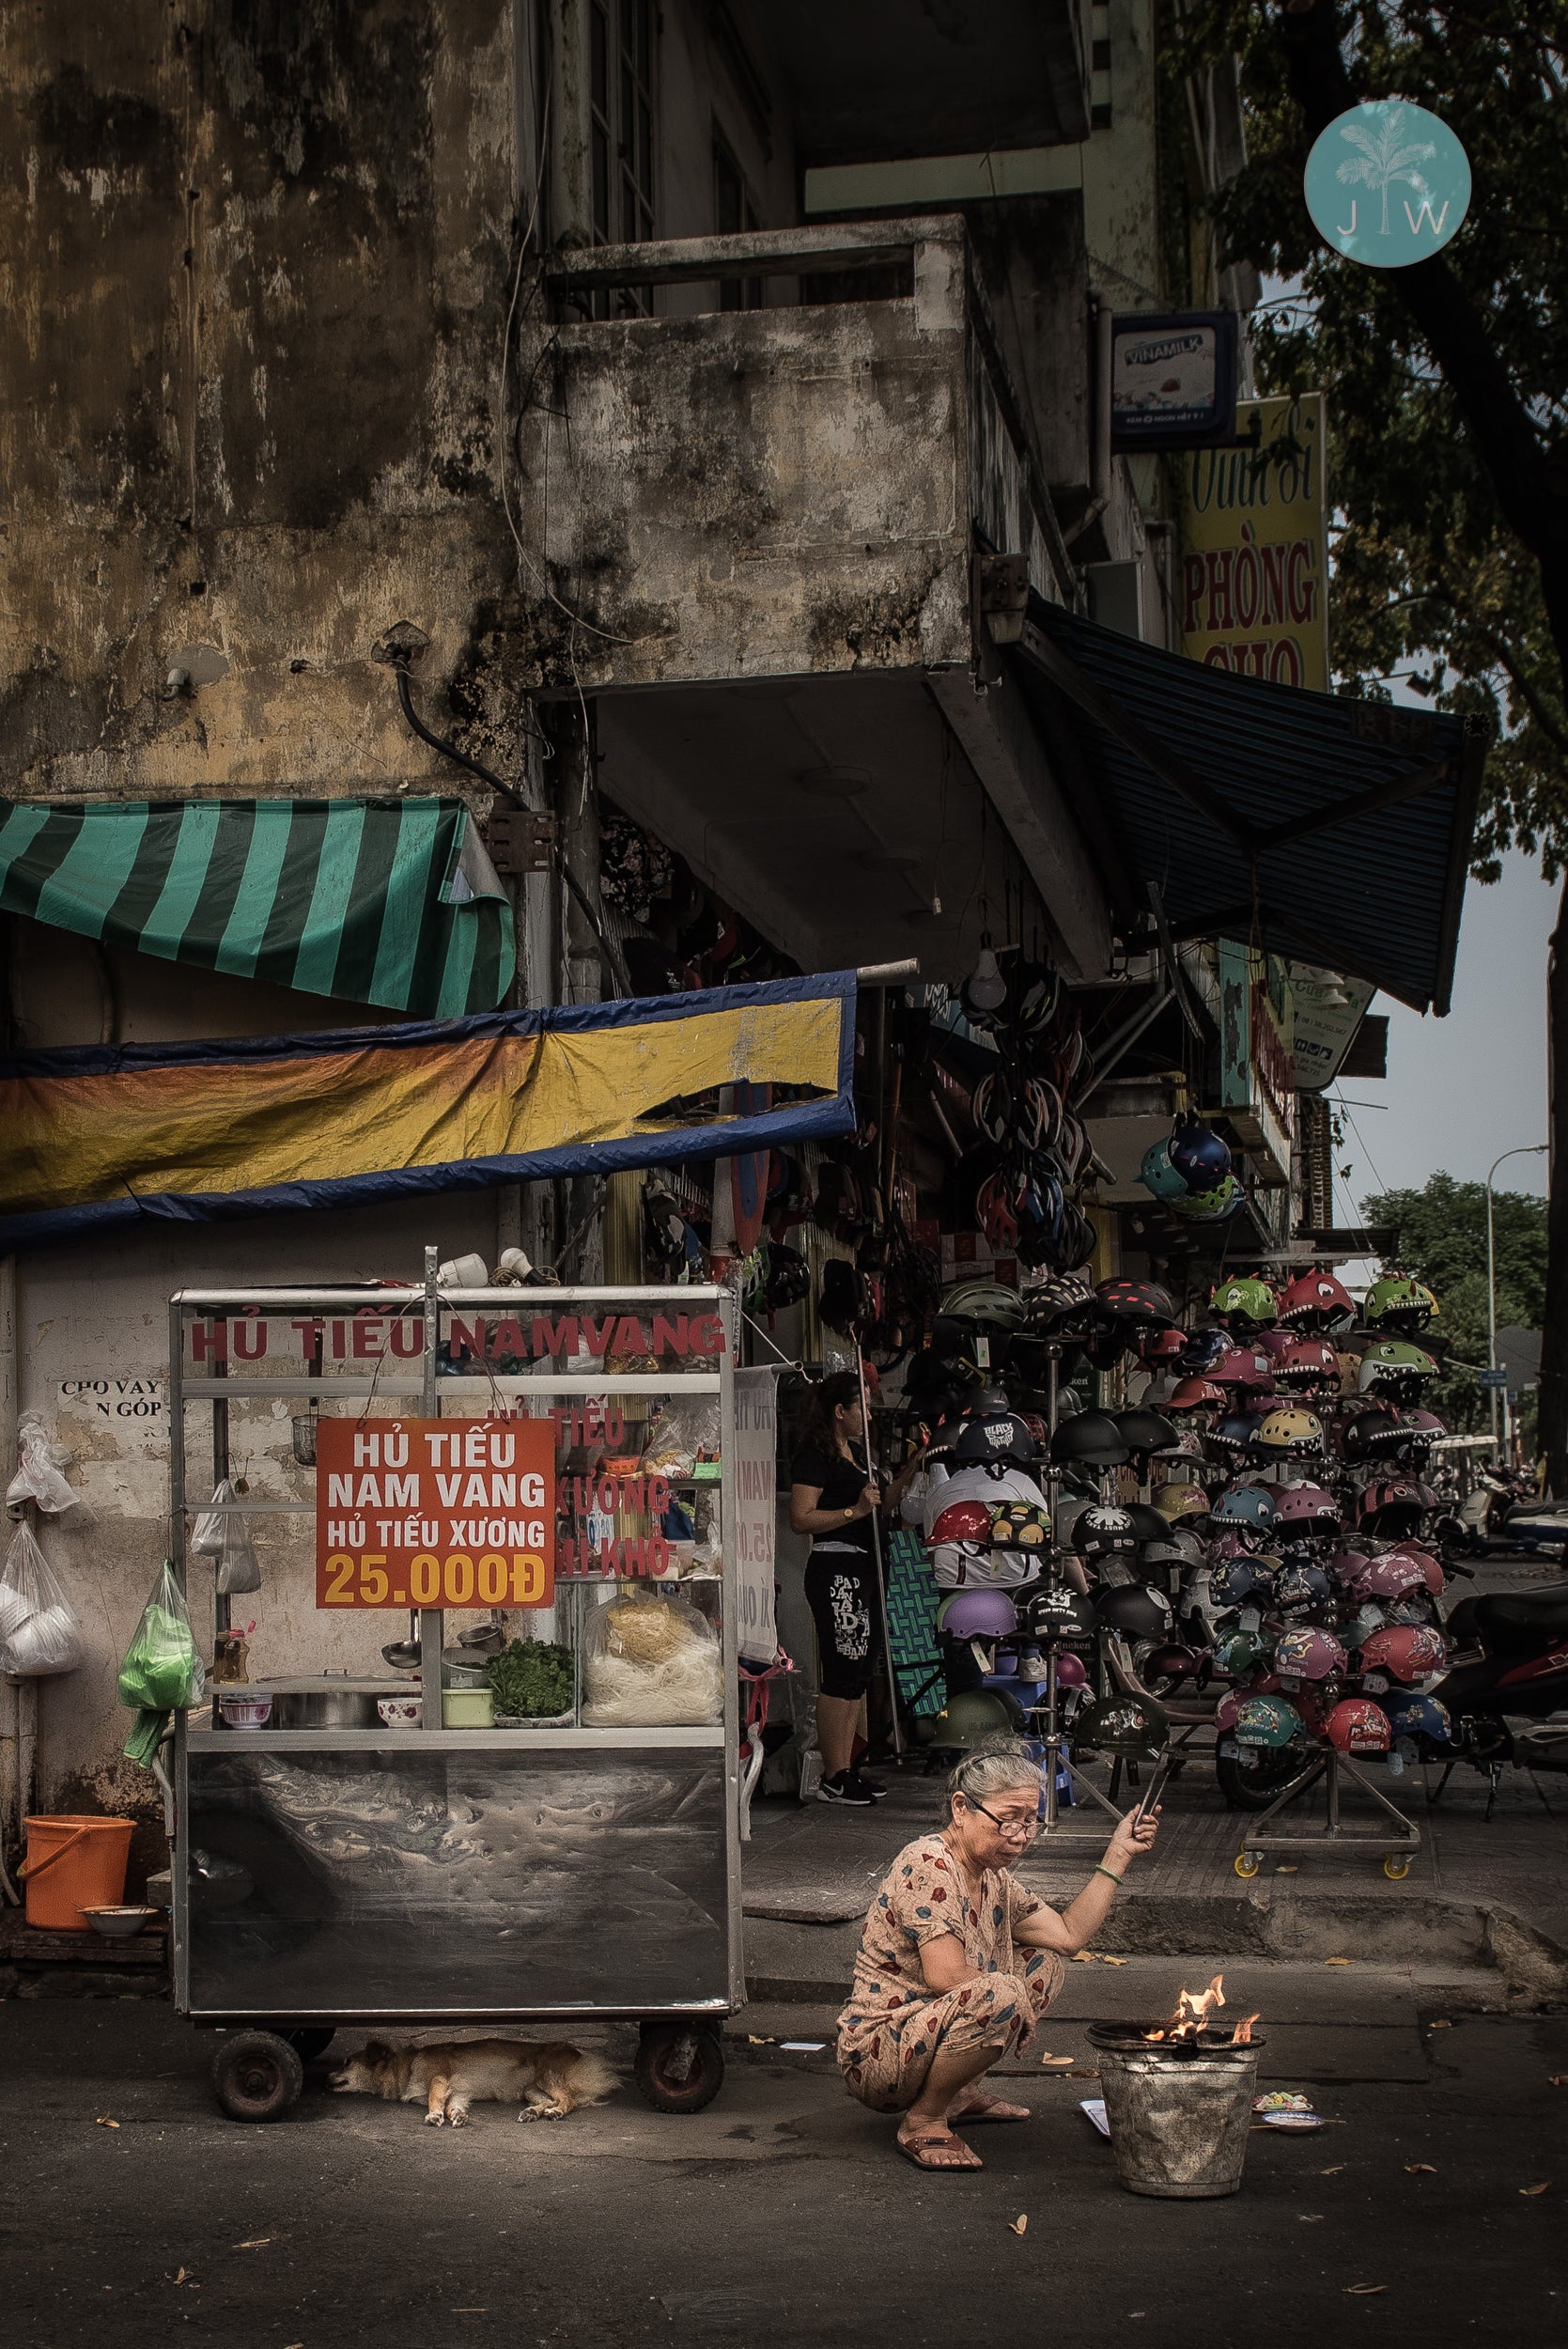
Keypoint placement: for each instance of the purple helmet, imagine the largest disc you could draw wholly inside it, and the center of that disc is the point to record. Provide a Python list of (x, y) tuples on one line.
[(981, 1616)]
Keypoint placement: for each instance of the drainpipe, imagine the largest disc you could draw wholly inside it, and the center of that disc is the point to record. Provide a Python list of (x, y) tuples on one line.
[(1099, 436)]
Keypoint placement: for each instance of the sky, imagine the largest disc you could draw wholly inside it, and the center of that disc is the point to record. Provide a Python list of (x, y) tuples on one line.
[(1462, 1089)]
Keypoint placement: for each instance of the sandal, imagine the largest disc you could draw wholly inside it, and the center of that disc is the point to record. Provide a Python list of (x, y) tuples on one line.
[(915, 2149), (994, 2108)]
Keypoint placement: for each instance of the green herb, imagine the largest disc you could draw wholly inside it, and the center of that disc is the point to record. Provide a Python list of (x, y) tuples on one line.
[(532, 1678)]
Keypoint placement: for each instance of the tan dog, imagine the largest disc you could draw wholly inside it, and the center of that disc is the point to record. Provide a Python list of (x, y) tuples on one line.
[(549, 2081)]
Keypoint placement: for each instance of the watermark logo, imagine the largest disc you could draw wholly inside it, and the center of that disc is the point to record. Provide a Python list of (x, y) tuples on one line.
[(1387, 183)]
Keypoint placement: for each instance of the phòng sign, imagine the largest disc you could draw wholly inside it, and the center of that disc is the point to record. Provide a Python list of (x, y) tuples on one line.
[(1254, 578), (435, 1513)]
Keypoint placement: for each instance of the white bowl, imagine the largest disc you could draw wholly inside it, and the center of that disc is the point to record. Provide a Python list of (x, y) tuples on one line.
[(244, 1708), (399, 1712), (118, 1924)]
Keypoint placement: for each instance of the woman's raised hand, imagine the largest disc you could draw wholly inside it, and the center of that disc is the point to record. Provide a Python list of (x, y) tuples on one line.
[(1133, 1836)]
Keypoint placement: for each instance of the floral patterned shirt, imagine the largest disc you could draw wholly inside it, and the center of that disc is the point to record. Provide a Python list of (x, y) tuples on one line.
[(921, 1897)]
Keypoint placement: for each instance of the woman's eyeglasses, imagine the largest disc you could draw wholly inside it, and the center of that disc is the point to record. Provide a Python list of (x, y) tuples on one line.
[(1024, 1829)]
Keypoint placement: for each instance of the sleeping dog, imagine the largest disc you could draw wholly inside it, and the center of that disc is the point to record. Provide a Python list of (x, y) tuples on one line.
[(549, 2081)]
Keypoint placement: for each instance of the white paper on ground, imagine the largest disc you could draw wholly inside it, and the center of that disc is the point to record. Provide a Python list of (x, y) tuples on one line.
[(801, 2046), (1094, 2108)]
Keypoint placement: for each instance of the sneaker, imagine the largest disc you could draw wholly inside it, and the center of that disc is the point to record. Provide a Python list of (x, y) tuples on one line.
[(872, 1786), (845, 1787)]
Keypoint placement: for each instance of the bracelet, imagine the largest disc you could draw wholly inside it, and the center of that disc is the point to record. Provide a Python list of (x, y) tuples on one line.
[(1100, 1871)]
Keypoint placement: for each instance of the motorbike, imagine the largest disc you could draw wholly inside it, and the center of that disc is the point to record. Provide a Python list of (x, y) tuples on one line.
[(1495, 1517), (1508, 1661)]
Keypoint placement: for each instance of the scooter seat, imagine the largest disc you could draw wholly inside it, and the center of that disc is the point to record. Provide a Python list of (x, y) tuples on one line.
[(1517, 1618)]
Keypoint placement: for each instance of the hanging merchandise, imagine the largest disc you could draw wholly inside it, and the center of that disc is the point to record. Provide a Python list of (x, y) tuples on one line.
[(634, 867), (1213, 1205), (161, 1672), (37, 1477), (1398, 1306), (219, 1534), (38, 1634), (1394, 1368), (787, 1277), (1290, 1435), (1158, 1175), (1245, 1305), (840, 1299), (1318, 1304)]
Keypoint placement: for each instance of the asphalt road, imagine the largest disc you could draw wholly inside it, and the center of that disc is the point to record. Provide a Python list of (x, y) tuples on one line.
[(779, 2217)]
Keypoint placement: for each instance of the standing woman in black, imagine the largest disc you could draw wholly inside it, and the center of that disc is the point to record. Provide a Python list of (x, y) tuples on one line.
[(834, 1496)]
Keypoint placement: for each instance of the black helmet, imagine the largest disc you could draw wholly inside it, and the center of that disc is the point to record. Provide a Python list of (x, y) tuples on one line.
[(1091, 1436), (1148, 1524), (1056, 1611), (1370, 1436), (788, 1277), (1148, 1432), (1104, 1531), (1140, 1303), (1135, 1611), (995, 1438), (1133, 1727), (1061, 1305)]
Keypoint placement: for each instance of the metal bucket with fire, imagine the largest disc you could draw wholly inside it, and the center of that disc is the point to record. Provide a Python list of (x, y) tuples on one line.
[(1178, 2098)]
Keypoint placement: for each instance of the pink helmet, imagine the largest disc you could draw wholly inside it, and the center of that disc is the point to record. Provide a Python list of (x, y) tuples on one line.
[(1389, 1577), (1243, 1366), (1309, 1507), (981, 1616), (1227, 1709), (1348, 1565), (1309, 1654), (1405, 1652), (1436, 1581), (1227, 1545), (1069, 1671), (1310, 1363), (1359, 1726)]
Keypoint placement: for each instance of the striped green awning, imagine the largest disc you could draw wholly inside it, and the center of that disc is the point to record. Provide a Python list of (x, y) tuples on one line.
[(374, 901)]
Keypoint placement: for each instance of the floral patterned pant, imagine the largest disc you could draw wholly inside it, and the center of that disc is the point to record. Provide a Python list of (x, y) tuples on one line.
[(885, 2062)]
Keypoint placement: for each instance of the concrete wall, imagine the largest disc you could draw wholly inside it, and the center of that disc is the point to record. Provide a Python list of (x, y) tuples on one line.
[(257, 275)]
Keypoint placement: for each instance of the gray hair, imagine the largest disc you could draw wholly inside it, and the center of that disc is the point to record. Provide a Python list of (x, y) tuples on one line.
[(990, 1767)]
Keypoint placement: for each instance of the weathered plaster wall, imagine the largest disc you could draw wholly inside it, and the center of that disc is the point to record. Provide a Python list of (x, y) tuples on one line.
[(257, 265)]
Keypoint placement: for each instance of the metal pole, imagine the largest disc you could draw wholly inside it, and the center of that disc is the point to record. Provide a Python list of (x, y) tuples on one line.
[(877, 1555), (1525, 1150), (431, 1621)]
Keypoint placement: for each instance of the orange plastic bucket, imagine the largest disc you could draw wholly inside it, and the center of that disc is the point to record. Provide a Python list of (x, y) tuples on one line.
[(73, 1864)]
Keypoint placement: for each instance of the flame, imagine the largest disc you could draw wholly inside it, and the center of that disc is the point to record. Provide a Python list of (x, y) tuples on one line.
[(1192, 2017)]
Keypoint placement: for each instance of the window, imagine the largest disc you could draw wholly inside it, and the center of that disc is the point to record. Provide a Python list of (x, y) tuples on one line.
[(733, 211), (620, 76)]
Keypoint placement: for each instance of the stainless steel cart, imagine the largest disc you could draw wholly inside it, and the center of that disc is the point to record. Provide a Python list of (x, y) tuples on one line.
[(332, 1876)]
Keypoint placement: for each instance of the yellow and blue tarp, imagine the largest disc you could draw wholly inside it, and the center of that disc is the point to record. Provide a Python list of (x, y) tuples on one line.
[(104, 1135)]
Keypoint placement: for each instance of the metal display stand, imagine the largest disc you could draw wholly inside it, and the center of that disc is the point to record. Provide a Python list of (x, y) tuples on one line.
[(1335, 1766), (1057, 1754), (326, 1876)]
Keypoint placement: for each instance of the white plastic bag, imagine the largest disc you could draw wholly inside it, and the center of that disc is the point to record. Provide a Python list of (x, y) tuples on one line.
[(38, 1634), (37, 1477), (689, 1430), (227, 1538), (649, 1660)]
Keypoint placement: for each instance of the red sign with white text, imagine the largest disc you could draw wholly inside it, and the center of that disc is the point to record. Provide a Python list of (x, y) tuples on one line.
[(435, 1512)]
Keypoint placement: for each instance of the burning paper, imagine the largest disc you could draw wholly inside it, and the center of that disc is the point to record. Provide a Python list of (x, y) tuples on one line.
[(1192, 2012)]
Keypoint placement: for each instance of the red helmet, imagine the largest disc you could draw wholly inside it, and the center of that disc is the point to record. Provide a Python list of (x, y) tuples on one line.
[(1307, 1508), (1348, 1565), (1243, 1366), (1359, 1726), (1163, 1346), (1407, 1651), (1316, 1302), (1391, 1577), (1432, 1573), (1307, 1363), (1309, 1654), (963, 1521), (1196, 1395)]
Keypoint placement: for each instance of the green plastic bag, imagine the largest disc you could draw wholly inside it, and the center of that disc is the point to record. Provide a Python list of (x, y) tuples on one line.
[(162, 1672)]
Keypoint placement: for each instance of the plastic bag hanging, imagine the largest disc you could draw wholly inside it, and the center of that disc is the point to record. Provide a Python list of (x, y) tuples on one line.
[(39, 1633), (161, 1669), (220, 1533), (37, 1477)]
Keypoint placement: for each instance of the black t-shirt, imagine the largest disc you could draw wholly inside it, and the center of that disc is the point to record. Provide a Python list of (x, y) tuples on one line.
[(841, 1482)]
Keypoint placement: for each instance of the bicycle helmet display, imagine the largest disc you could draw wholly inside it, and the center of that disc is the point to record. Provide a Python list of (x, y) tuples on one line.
[(1419, 1718), (1133, 1728), (1158, 1173), (1231, 1438), (1406, 1652), (1162, 1346), (1318, 1304), (1232, 1582), (1393, 1509), (1020, 1525), (1182, 1503), (1139, 1304), (1300, 1589), (1395, 1368), (1399, 1306), (1290, 1433), (1055, 1611), (1091, 1438), (1245, 1305), (1242, 1369), (1357, 1725), (1309, 1656), (1210, 1207), (995, 1438), (1135, 1611), (1267, 1721), (1392, 1577), (1243, 1509), (980, 1615), (1307, 1366), (1307, 1511), (1166, 1669), (1371, 1435), (1104, 1531), (1241, 1653)]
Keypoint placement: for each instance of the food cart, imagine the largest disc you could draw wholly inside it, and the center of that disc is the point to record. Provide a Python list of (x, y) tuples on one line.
[(354, 1858)]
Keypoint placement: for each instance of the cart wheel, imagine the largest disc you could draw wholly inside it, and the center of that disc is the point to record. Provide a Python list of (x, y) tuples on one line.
[(1247, 1863), (257, 2075), (313, 2040), (680, 2066), (1396, 1864)]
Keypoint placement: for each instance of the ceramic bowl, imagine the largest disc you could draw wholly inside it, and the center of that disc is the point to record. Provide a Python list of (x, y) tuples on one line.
[(118, 1924), (399, 1712), (244, 1708)]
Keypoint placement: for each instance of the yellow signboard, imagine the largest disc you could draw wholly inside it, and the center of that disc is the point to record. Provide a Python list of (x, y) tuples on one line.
[(1253, 595)]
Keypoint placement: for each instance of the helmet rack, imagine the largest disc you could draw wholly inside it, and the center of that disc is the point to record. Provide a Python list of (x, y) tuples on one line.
[(1335, 1766)]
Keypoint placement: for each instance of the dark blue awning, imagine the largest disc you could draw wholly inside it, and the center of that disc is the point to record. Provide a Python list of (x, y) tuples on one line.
[(1330, 831)]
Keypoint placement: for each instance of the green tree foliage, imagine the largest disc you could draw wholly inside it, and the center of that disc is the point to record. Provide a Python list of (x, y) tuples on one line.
[(1442, 1240), (1439, 541)]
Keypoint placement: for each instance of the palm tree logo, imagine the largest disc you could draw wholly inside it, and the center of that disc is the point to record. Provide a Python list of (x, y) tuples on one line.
[(1382, 159)]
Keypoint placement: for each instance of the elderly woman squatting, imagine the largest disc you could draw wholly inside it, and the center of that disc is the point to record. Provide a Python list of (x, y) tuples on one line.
[(959, 1961)]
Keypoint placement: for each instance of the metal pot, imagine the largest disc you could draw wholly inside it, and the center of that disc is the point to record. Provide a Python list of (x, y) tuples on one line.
[(326, 1708), (461, 1670)]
